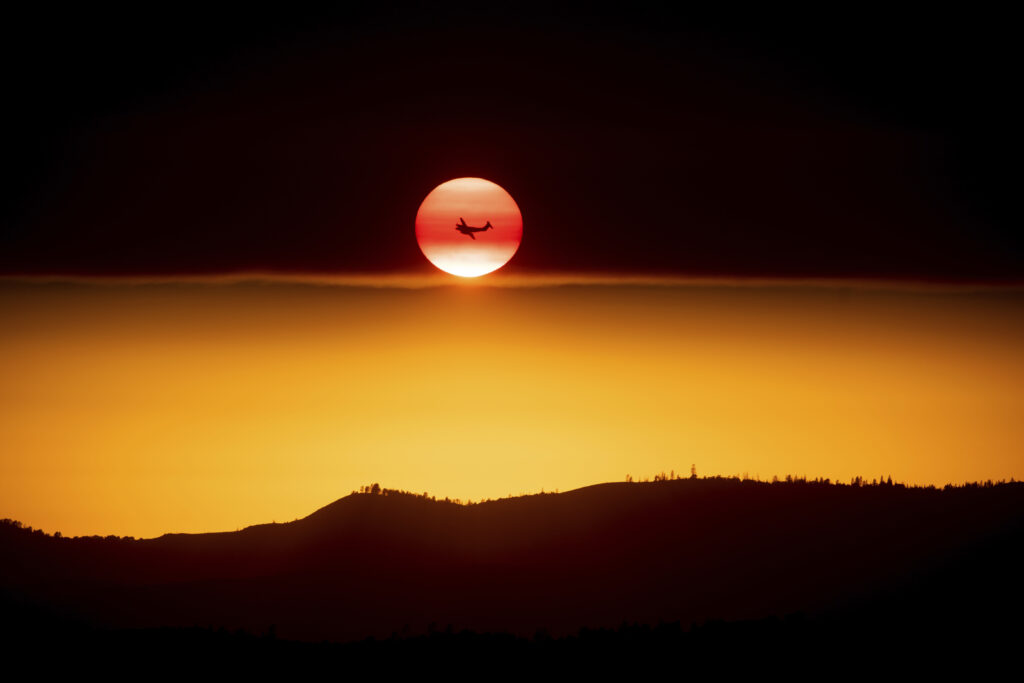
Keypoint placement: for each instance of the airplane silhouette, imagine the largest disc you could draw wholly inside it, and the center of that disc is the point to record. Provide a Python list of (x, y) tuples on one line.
[(469, 230)]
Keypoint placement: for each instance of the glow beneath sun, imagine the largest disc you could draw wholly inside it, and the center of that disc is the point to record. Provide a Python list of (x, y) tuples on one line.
[(469, 227)]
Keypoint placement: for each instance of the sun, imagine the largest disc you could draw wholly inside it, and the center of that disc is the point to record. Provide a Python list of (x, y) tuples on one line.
[(469, 227)]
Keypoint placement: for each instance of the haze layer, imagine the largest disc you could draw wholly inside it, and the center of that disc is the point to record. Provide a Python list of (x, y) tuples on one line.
[(150, 408)]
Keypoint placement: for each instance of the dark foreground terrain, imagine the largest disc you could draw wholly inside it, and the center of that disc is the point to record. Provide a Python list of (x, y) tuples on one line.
[(719, 571)]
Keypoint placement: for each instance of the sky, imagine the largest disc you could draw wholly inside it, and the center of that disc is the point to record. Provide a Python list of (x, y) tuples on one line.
[(822, 143), (145, 408), (764, 244)]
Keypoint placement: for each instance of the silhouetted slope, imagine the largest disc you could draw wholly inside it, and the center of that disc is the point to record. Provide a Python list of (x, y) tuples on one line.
[(686, 550)]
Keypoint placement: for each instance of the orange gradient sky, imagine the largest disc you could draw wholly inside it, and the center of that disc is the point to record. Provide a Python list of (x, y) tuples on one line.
[(146, 408)]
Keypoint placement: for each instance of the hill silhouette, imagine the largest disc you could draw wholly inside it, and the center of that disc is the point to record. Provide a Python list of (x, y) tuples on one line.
[(678, 551)]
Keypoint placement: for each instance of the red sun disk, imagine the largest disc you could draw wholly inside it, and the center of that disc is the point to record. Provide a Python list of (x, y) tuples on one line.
[(469, 253)]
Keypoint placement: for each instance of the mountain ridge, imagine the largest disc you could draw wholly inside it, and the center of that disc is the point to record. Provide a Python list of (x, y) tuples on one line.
[(678, 550)]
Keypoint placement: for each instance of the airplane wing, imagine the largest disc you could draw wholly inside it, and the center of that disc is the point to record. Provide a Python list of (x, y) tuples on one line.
[(471, 236)]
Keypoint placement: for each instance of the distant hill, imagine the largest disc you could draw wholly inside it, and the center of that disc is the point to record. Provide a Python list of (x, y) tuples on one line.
[(665, 551)]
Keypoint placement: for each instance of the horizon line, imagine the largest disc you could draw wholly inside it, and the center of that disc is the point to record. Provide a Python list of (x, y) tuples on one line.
[(383, 491), (526, 280)]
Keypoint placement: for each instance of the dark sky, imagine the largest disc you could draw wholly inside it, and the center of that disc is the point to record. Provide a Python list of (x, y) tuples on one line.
[(176, 140)]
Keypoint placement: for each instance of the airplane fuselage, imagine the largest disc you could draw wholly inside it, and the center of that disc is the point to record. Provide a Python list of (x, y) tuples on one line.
[(468, 230)]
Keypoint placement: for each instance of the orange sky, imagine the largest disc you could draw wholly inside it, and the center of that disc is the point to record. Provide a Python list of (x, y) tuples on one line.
[(144, 408)]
